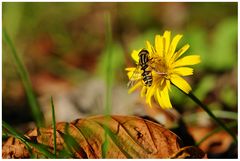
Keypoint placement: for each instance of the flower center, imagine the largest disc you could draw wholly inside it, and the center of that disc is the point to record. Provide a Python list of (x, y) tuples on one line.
[(160, 66)]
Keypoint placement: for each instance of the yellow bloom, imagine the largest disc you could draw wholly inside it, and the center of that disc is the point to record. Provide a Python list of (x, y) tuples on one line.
[(166, 66)]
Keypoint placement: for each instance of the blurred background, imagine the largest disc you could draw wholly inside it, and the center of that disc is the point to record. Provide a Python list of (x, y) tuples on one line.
[(63, 46)]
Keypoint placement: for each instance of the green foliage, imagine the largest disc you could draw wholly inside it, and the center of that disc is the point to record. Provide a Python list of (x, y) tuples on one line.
[(218, 50), (223, 53)]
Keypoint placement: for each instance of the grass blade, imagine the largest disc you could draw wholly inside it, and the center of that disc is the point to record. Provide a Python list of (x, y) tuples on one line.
[(41, 148), (54, 129), (109, 78), (109, 71), (70, 142), (35, 108), (15, 133)]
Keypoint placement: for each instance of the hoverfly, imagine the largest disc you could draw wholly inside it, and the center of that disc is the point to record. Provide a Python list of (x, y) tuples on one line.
[(144, 69)]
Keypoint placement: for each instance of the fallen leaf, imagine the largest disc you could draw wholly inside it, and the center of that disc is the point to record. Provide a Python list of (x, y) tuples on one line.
[(217, 143), (103, 137), (189, 152)]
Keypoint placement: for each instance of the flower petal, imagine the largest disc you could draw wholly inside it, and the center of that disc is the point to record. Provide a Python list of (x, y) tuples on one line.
[(187, 60), (180, 52), (166, 41), (180, 83), (165, 98), (150, 93), (135, 56), (130, 69), (168, 84), (173, 46), (134, 73), (159, 45), (159, 99), (143, 91), (150, 49), (130, 72), (134, 87), (161, 83), (183, 71)]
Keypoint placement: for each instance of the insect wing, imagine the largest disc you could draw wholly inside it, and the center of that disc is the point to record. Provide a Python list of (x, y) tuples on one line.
[(135, 77)]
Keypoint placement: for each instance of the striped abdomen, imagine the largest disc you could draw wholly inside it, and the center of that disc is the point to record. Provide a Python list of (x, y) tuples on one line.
[(143, 62), (147, 78), (143, 58)]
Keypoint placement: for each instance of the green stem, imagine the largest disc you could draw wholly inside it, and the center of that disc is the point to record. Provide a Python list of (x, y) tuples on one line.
[(206, 109), (218, 121)]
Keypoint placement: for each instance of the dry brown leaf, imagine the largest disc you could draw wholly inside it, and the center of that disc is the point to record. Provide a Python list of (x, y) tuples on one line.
[(13, 148), (189, 152), (217, 143), (127, 137)]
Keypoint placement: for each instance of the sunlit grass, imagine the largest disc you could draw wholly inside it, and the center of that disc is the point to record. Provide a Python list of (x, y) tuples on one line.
[(35, 108)]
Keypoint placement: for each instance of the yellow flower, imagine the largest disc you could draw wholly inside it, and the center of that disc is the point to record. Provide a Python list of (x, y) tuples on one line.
[(166, 66)]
